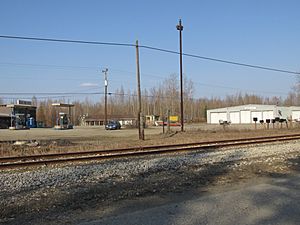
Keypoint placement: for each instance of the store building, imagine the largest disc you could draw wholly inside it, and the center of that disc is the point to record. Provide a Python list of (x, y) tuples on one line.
[(244, 114), (19, 116)]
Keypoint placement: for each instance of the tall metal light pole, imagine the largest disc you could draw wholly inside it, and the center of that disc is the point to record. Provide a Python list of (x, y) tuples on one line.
[(180, 28), (105, 95)]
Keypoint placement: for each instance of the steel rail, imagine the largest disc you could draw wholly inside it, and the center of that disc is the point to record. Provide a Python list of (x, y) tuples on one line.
[(284, 135), (46, 159), (138, 148)]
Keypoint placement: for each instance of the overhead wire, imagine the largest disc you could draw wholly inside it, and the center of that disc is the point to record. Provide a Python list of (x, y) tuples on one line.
[(238, 89), (53, 66), (67, 41), (32, 78), (79, 67), (46, 95), (130, 45), (221, 60), (151, 48), (131, 72)]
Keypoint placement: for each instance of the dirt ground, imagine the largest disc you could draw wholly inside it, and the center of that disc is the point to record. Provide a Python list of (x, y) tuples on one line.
[(81, 201), (47, 140)]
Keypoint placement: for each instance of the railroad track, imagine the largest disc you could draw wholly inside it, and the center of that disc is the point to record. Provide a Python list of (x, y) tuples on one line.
[(48, 159)]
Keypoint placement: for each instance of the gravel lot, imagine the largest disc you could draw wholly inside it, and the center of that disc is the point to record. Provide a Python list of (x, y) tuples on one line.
[(90, 133), (79, 193), (73, 134)]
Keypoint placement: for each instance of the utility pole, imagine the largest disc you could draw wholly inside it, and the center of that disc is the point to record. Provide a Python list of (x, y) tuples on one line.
[(140, 118), (180, 28), (168, 121), (105, 95)]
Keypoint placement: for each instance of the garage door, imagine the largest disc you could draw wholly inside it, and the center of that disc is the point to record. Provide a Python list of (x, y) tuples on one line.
[(258, 115), (234, 117), (295, 115), (268, 115), (245, 117), (215, 117)]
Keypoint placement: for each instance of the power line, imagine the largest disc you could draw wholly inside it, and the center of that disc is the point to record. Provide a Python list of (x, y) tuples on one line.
[(221, 60), (78, 67), (239, 89), (50, 93), (33, 78), (151, 48), (125, 71), (66, 41), (50, 65), (197, 83), (70, 94)]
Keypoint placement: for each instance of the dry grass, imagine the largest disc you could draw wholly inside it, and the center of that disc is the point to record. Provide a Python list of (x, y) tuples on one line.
[(84, 139)]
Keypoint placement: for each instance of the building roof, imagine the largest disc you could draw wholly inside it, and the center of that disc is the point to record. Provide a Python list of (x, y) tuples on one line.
[(57, 104), (4, 115), (18, 106), (118, 117), (253, 107), (5, 111)]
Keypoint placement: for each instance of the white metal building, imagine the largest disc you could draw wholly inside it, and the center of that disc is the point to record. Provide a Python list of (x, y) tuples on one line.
[(244, 114)]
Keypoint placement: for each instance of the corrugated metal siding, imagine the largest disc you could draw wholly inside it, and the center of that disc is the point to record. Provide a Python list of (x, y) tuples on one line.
[(257, 114), (245, 116), (234, 117), (216, 117), (268, 115), (296, 115), (248, 112)]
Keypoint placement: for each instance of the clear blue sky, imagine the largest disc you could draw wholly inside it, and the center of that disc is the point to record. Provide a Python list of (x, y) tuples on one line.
[(265, 33)]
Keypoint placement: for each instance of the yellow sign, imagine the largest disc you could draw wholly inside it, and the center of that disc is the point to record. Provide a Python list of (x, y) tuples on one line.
[(173, 118)]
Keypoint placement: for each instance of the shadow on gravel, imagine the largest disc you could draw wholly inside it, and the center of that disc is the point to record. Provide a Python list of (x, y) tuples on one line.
[(161, 177), (156, 185), (278, 202), (295, 164), (274, 201), (160, 182)]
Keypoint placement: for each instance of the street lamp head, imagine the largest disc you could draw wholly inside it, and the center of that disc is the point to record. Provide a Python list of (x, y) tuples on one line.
[(179, 26), (105, 76)]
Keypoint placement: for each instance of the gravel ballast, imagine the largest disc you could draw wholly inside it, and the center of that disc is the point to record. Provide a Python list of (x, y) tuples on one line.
[(57, 190)]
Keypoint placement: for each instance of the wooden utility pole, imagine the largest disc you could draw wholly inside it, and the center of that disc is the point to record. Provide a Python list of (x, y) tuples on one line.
[(140, 116), (105, 95), (163, 125), (180, 28), (168, 120)]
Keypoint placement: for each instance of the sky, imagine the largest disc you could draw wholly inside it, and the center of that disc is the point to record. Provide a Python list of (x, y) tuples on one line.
[(264, 33)]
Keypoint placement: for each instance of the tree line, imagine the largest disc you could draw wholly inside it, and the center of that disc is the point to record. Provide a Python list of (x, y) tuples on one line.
[(157, 101)]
